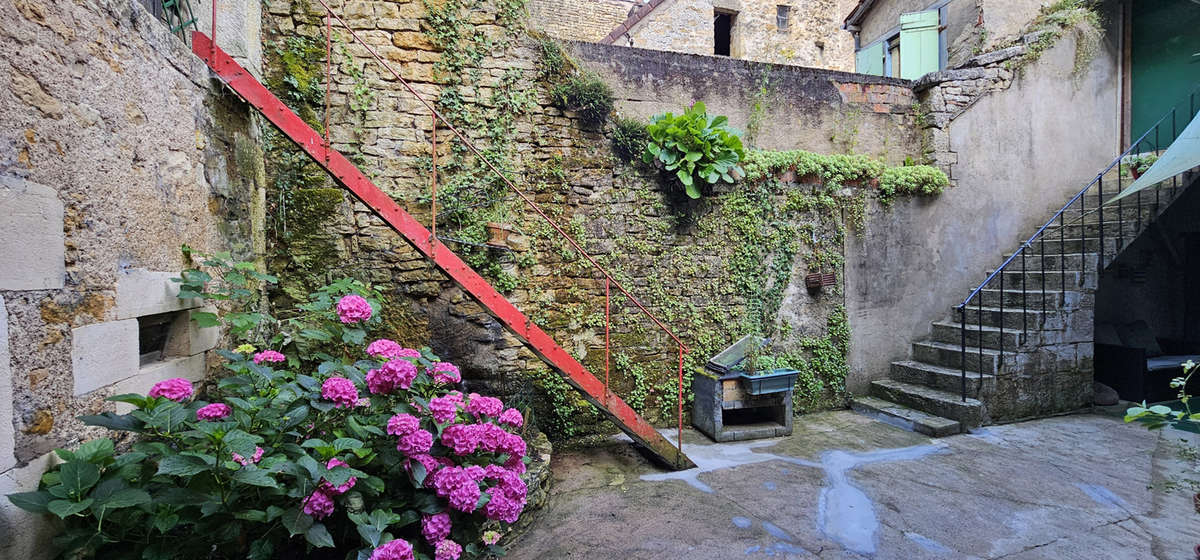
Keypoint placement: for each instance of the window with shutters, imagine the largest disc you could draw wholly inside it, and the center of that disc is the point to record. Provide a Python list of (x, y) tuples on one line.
[(783, 17), (915, 49)]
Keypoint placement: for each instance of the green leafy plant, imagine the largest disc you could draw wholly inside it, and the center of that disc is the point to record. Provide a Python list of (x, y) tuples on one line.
[(1140, 164), (1160, 416), (629, 139), (695, 148), (328, 446), (911, 180), (586, 94)]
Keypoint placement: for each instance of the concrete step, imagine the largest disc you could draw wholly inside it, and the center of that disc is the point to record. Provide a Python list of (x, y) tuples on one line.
[(1128, 228), (950, 356), (1014, 318), (1033, 279), (1053, 298), (951, 332), (1054, 244), (945, 379), (904, 417), (968, 412), (1054, 261), (1091, 213)]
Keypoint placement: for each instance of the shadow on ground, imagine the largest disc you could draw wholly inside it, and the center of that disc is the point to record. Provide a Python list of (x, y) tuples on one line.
[(846, 486)]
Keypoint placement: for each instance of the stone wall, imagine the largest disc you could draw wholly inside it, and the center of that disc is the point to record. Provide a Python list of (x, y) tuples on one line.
[(712, 270), (813, 36), (821, 111), (1011, 178), (115, 149), (571, 20)]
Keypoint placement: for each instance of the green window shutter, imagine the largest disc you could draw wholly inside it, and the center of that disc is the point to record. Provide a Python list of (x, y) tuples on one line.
[(919, 44), (869, 59)]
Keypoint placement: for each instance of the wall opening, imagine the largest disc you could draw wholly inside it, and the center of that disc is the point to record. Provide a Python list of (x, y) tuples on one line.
[(722, 32), (154, 337), (783, 17)]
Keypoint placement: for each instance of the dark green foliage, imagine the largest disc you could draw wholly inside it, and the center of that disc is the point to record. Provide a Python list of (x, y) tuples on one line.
[(696, 149), (586, 95), (629, 139)]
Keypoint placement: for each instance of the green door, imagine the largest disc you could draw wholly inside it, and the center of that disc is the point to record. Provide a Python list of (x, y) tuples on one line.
[(919, 54), (1165, 65)]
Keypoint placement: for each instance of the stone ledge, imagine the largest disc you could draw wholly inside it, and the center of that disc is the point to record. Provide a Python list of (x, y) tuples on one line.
[(142, 292), (103, 353)]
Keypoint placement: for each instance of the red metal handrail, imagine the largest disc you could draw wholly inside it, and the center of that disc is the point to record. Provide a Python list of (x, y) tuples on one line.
[(330, 15)]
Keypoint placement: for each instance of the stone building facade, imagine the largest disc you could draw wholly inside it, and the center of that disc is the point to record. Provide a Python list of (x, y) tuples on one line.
[(784, 32), (115, 150)]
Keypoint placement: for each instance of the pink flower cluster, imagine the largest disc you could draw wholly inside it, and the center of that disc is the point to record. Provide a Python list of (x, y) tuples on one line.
[(457, 486), (447, 550), (341, 391), (177, 389), (508, 498), (464, 439), (332, 490), (436, 527), (353, 309), (445, 408), (269, 356), (384, 348), (445, 373), (214, 411), (319, 504), (258, 453), (398, 549), (484, 406), (395, 374), (511, 417)]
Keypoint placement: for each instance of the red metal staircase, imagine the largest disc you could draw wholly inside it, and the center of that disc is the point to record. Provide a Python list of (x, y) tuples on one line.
[(352, 179)]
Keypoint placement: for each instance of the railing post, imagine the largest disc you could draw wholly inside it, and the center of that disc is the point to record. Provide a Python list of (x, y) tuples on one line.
[(962, 349), (607, 323), (1100, 182), (328, 78), (679, 403)]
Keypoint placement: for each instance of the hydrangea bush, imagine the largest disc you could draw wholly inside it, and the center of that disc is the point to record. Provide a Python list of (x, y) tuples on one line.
[(314, 439)]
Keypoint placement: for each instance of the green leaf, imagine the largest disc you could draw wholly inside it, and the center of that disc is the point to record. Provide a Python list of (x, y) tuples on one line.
[(119, 422), (296, 521), (165, 520), (64, 508), (182, 465), (318, 536), (370, 534), (342, 444), (693, 156), (255, 477), (31, 501), (241, 442), (95, 449), (204, 319), (78, 476), (128, 497), (692, 191), (685, 178)]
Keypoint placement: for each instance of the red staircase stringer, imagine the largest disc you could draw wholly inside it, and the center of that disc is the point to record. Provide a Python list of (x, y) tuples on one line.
[(349, 176)]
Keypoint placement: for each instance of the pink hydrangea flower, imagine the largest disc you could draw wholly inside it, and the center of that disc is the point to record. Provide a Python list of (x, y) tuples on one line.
[(436, 527), (319, 505), (177, 389), (509, 499), (511, 417), (214, 411), (403, 424), (454, 484), (384, 348), (397, 549), (395, 374), (481, 406), (490, 538), (447, 550), (462, 439), (332, 490), (340, 390), (269, 356), (443, 408), (476, 472), (353, 309), (513, 445), (515, 464), (491, 437), (430, 463), (416, 443), (258, 453), (445, 373)]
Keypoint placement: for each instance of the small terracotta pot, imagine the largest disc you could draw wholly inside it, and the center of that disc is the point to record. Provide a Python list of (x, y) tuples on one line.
[(498, 234), (1135, 171)]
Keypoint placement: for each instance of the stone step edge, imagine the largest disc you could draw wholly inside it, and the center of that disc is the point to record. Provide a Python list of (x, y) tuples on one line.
[(904, 417)]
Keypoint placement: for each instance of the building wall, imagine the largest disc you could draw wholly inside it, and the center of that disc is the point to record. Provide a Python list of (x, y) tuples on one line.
[(1014, 163), (572, 20), (814, 37), (115, 149)]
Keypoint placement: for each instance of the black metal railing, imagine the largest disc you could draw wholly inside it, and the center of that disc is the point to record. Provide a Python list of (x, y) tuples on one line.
[(1127, 161)]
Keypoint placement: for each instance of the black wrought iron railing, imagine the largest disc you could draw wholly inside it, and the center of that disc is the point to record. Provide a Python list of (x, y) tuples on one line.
[(1128, 165)]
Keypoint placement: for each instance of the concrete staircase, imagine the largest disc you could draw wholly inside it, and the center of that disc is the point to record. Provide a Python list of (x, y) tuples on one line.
[(1028, 335)]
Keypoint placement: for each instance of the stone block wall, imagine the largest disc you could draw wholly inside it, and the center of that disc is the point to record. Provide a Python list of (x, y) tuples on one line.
[(115, 149), (813, 36), (684, 263)]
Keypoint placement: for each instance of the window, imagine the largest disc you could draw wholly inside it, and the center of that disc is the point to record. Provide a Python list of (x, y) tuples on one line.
[(910, 51), (783, 17), (722, 32)]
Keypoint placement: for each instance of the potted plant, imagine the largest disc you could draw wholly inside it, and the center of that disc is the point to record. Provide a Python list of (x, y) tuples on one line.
[(765, 374), (1138, 165)]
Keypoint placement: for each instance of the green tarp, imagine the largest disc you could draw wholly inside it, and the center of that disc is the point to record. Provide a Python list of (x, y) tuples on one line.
[(1182, 155)]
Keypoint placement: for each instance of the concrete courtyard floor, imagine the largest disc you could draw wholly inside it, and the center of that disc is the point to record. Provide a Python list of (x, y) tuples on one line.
[(848, 486)]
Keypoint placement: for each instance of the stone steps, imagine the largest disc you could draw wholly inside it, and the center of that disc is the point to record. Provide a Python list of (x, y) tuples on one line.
[(1033, 279), (930, 401), (1015, 298), (951, 332), (1054, 261), (1012, 318), (950, 356), (942, 378), (905, 417)]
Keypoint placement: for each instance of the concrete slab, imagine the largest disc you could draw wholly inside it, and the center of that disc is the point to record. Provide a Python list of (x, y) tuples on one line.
[(103, 354), (31, 236), (8, 457), (142, 292), (847, 486)]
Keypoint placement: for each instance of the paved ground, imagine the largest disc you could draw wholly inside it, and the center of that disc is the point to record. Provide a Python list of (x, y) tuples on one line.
[(847, 486)]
